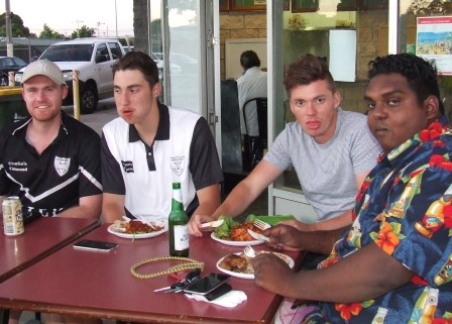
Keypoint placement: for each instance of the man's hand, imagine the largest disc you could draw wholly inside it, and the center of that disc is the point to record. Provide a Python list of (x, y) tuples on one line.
[(271, 273), (194, 225), (284, 237)]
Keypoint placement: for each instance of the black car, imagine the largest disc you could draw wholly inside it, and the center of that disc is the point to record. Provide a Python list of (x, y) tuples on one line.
[(7, 64)]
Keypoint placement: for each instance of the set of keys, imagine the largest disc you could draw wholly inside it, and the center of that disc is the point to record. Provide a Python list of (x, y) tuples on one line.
[(179, 286)]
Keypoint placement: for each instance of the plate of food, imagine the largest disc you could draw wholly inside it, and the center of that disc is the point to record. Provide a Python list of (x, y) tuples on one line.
[(234, 233), (235, 243), (238, 265), (136, 229)]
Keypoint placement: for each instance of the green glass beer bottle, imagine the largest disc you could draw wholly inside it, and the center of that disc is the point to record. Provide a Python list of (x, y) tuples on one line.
[(178, 225)]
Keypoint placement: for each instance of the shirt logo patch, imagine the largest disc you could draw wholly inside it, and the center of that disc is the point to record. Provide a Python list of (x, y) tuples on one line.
[(177, 164), (61, 165), (128, 166), (18, 166)]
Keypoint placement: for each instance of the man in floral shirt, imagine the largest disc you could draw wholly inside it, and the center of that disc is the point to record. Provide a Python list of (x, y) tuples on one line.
[(394, 265)]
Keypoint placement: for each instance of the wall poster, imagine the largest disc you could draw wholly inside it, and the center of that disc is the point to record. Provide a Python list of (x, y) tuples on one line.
[(434, 41)]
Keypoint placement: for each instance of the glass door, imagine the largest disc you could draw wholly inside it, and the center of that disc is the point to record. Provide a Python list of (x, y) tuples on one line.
[(328, 29), (183, 43)]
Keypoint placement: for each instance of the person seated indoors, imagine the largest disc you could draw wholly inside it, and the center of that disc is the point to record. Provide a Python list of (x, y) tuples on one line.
[(332, 151), (251, 84), (393, 265)]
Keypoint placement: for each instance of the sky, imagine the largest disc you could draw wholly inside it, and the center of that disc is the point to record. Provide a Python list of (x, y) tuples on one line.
[(65, 16)]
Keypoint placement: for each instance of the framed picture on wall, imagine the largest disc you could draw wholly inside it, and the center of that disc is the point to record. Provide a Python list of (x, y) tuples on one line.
[(248, 4), (305, 5), (224, 5), (286, 5), (372, 4), (347, 5)]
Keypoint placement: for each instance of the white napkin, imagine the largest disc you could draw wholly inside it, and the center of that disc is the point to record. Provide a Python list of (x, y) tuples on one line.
[(230, 299)]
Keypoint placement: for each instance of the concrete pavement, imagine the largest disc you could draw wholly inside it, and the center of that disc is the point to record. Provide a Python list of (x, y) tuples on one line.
[(105, 112)]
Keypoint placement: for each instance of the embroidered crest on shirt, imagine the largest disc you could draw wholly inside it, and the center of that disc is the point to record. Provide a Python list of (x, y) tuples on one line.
[(177, 164), (61, 165), (127, 166)]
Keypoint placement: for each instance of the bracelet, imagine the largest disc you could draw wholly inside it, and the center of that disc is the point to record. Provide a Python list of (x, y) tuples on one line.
[(188, 265)]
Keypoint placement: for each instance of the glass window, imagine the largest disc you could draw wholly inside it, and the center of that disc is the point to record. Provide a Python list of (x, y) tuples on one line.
[(115, 50), (102, 54)]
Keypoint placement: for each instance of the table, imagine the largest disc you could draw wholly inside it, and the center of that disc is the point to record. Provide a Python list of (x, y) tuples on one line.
[(99, 284), (42, 237)]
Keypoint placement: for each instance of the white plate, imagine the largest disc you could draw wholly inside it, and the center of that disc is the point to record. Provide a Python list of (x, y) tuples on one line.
[(242, 275), (235, 243), (111, 229)]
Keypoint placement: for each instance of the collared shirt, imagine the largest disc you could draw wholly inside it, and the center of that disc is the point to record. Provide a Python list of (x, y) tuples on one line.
[(50, 182), (183, 150), (404, 207), (252, 84)]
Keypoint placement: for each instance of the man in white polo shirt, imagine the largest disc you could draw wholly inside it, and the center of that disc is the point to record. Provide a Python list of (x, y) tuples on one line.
[(150, 146)]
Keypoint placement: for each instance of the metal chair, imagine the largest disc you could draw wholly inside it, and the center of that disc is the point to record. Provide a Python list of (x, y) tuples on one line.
[(255, 114)]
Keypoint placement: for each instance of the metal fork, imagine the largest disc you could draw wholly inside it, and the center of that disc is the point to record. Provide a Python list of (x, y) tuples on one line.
[(249, 251), (261, 225), (144, 221)]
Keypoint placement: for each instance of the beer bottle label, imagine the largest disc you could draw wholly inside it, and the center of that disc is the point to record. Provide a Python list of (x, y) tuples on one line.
[(181, 237)]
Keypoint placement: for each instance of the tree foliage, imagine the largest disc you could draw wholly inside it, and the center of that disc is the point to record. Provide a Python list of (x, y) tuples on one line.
[(50, 33), (17, 26), (83, 31)]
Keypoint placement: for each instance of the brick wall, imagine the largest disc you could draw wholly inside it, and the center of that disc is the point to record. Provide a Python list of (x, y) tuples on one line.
[(236, 25)]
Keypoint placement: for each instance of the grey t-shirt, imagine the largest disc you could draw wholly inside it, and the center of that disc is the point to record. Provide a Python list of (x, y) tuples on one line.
[(327, 171)]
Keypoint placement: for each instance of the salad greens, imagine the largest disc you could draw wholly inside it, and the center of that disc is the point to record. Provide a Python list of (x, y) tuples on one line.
[(224, 230)]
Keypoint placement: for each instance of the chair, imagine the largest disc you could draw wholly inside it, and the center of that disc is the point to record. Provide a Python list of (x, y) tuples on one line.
[(255, 138)]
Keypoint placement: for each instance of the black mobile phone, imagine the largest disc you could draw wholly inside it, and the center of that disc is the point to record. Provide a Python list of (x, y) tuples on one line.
[(218, 292), (207, 284), (93, 245)]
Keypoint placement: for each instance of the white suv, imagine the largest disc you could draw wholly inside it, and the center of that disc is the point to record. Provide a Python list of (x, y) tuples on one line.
[(94, 59)]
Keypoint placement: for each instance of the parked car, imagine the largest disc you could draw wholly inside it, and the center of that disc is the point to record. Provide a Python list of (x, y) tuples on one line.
[(187, 64), (7, 64), (93, 58), (128, 49)]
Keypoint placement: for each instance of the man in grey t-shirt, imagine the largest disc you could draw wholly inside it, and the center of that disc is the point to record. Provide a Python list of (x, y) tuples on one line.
[(331, 150)]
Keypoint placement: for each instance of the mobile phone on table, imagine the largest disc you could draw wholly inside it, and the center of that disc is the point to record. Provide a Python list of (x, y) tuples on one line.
[(207, 284), (93, 245)]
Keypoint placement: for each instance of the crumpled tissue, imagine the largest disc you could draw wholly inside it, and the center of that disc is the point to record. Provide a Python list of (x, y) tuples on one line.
[(230, 299)]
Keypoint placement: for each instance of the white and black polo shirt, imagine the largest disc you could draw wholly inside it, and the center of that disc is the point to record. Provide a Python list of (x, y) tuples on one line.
[(183, 150), (55, 180)]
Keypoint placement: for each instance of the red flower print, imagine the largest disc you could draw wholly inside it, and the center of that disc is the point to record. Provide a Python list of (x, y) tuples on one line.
[(437, 160), (447, 212), (433, 131), (347, 310), (442, 321), (329, 261), (418, 281), (387, 239)]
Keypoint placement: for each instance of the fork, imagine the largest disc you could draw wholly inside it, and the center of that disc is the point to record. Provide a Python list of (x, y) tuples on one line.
[(249, 251), (261, 224), (144, 221)]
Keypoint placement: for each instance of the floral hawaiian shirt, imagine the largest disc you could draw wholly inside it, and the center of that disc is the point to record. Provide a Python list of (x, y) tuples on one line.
[(405, 208)]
